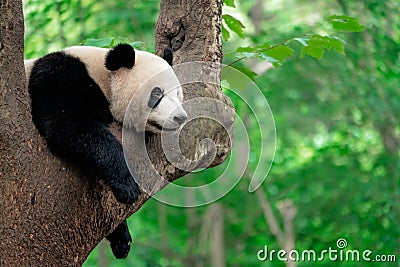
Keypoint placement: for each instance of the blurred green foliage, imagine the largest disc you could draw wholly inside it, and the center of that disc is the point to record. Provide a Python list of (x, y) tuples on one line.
[(52, 25), (337, 121)]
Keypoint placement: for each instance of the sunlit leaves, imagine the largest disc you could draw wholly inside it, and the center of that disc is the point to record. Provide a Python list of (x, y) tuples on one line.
[(275, 55), (234, 25), (317, 45), (230, 3), (345, 23), (279, 53), (314, 45)]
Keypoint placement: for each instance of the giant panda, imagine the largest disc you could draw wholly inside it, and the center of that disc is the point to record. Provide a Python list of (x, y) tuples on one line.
[(77, 92)]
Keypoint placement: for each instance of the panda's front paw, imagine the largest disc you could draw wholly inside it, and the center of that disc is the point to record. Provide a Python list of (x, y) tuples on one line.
[(120, 248), (126, 191)]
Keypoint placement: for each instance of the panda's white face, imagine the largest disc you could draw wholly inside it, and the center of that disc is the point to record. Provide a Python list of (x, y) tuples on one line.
[(148, 96), (142, 88), (166, 112)]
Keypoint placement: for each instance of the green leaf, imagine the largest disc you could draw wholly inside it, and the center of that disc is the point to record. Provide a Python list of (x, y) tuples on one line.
[(234, 24), (246, 49), (339, 39), (104, 42), (338, 45), (303, 41), (253, 49), (271, 60), (225, 33), (317, 45), (230, 3), (275, 55), (345, 23), (249, 55), (312, 51), (280, 53)]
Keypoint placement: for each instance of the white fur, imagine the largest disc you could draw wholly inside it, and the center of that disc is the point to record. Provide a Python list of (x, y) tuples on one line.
[(28, 67), (121, 86)]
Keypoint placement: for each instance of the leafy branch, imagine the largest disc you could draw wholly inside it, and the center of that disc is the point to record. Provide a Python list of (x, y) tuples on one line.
[(314, 45)]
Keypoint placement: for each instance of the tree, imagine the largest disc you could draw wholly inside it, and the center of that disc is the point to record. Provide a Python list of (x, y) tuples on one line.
[(51, 214)]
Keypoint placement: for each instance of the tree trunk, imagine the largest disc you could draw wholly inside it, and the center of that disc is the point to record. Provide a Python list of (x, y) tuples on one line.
[(192, 29), (217, 248), (50, 214)]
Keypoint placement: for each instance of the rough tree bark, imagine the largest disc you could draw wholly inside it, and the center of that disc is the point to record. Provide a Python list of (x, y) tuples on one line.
[(50, 214), (192, 28)]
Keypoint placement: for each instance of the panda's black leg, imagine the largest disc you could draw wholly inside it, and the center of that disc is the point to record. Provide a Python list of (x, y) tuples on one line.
[(90, 145), (120, 241)]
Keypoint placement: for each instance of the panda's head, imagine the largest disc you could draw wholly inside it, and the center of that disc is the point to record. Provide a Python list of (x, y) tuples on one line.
[(150, 82)]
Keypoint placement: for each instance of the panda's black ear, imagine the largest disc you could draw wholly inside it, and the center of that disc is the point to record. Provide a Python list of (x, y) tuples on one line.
[(168, 55), (121, 56)]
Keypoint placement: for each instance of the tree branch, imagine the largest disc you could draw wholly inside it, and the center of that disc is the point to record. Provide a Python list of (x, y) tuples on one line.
[(51, 214)]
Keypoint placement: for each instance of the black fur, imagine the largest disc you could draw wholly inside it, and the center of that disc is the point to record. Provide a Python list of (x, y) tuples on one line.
[(168, 55), (120, 241), (121, 56), (71, 112), (155, 97)]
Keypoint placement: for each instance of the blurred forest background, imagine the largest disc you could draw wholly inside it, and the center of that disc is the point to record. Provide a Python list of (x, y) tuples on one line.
[(336, 172)]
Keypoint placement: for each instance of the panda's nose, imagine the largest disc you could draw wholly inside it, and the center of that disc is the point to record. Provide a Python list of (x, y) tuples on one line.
[(180, 118)]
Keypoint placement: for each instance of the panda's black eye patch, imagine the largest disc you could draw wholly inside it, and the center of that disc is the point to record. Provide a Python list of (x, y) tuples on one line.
[(155, 97)]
